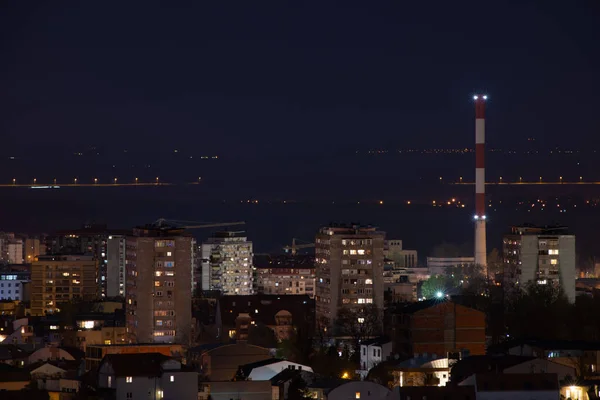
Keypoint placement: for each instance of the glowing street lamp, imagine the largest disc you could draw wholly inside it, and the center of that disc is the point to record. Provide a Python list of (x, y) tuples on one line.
[(439, 294), (34, 181), (75, 181), (95, 180), (115, 181), (14, 181), (136, 180)]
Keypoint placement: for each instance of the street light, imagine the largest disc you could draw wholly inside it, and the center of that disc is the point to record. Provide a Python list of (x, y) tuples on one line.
[(115, 181), (75, 181), (439, 294), (95, 180), (136, 180)]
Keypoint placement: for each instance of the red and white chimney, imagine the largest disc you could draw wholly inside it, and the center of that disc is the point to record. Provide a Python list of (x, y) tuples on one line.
[(480, 217)]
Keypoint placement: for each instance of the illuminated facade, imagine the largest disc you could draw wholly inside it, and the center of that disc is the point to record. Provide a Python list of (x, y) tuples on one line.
[(543, 255), (285, 274), (12, 285), (158, 292), (349, 269), (227, 264), (60, 279)]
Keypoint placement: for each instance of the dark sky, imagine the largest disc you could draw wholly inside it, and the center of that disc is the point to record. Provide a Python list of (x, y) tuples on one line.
[(248, 77)]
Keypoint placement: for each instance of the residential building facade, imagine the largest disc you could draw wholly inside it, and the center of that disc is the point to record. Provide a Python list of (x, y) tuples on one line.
[(402, 258), (227, 264), (158, 285), (115, 265), (349, 269), (541, 255), (285, 275), (59, 279), (12, 285)]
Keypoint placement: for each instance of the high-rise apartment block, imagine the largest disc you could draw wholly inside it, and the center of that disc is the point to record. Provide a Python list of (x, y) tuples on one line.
[(285, 274), (159, 285), (349, 269), (89, 240), (227, 264), (15, 251), (57, 279), (115, 265), (33, 248), (542, 255)]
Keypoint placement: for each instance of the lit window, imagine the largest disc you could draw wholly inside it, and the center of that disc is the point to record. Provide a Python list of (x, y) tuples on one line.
[(368, 281), (53, 327), (369, 301), (107, 342), (158, 273), (361, 252), (172, 378), (345, 251), (361, 301), (232, 333), (353, 252), (109, 381), (169, 254), (88, 324), (357, 395), (361, 320), (554, 261), (129, 379)]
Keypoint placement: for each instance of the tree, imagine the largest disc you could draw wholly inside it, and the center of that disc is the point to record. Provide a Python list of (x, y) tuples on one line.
[(439, 285), (494, 263), (261, 335), (382, 374), (297, 389)]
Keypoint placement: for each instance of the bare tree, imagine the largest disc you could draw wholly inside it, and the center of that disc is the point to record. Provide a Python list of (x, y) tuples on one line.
[(359, 323)]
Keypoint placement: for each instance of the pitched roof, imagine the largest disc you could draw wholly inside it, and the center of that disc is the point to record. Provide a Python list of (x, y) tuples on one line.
[(141, 364), (376, 341), (247, 368), (9, 373), (516, 382), (485, 364)]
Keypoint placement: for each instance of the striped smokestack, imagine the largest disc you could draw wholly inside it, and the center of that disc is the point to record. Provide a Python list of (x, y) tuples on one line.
[(480, 217)]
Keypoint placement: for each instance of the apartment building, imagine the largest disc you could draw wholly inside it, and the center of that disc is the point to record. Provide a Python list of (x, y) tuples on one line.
[(57, 279), (115, 265), (227, 264), (349, 269), (543, 255), (283, 274), (159, 285)]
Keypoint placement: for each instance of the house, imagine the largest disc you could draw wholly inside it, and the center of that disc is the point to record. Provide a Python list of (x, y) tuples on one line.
[(220, 362), (95, 353), (59, 382), (435, 393), (437, 327), (492, 386), (508, 364), (266, 369), (283, 381), (238, 390), (423, 370), (583, 356), (146, 376), (373, 352), (12, 355), (345, 390), (13, 378)]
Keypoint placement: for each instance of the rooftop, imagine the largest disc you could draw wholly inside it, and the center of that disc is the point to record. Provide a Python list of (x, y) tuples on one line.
[(140, 364)]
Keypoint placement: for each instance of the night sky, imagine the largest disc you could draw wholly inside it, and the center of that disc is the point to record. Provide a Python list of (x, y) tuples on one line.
[(244, 78)]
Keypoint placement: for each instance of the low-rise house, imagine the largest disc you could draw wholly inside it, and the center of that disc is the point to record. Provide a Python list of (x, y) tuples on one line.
[(372, 353), (239, 390), (266, 369), (146, 376), (423, 370), (61, 383), (220, 362), (435, 393), (492, 386), (12, 354), (13, 378), (508, 364), (345, 390)]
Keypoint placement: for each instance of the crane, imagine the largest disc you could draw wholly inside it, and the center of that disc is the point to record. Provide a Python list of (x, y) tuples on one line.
[(163, 223), (293, 249)]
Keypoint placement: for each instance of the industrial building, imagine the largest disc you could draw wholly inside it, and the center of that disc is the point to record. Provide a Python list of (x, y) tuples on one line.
[(542, 255), (349, 269), (227, 264), (402, 258), (159, 285), (57, 279)]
